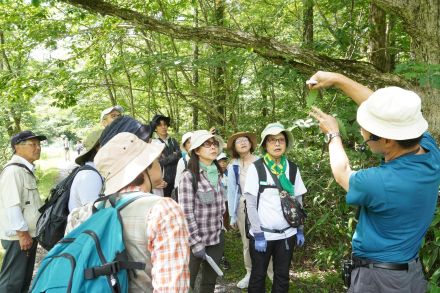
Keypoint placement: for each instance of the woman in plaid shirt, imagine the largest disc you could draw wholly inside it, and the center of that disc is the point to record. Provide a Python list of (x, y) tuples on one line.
[(202, 197)]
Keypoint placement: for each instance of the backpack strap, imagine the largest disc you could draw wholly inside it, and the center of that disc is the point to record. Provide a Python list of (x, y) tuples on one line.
[(185, 162), (237, 177), (262, 177), (121, 261), (293, 168), (19, 165)]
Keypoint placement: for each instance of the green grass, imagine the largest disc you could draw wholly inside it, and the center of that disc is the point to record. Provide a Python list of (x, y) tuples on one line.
[(307, 278), (46, 180)]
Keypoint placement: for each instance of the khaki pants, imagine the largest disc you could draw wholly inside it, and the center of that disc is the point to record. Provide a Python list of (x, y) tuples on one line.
[(241, 227)]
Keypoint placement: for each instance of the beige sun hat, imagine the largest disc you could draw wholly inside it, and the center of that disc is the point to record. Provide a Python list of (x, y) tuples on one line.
[(90, 142), (123, 158), (185, 137), (274, 129), (200, 136), (252, 138), (392, 113)]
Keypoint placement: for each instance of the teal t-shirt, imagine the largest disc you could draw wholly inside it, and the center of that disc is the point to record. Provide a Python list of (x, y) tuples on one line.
[(398, 200)]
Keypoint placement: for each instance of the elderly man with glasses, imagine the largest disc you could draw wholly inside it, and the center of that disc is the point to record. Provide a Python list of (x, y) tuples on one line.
[(19, 204)]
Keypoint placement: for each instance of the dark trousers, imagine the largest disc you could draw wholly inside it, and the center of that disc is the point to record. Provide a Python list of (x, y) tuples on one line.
[(17, 267), (209, 276), (281, 252)]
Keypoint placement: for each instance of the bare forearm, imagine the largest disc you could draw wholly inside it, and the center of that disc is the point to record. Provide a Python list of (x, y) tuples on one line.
[(339, 163), (356, 91)]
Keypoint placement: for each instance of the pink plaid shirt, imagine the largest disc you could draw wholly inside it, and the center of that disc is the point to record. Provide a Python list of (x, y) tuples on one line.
[(203, 210), (167, 242)]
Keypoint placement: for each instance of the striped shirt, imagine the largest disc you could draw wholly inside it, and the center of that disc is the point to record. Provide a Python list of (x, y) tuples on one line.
[(203, 210)]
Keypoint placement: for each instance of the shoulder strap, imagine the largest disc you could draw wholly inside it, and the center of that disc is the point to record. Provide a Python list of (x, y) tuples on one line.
[(185, 162), (293, 168), (19, 165), (262, 176), (237, 177)]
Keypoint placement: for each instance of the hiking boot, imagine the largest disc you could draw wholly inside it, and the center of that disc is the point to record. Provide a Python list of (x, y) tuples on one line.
[(243, 284)]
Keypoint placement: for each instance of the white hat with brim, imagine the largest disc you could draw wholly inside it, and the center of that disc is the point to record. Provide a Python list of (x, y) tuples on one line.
[(274, 129), (123, 158), (185, 137), (222, 156), (109, 110), (392, 113), (200, 136)]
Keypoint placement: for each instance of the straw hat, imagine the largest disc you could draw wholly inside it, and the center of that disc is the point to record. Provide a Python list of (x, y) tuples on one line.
[(274, 129), (252, 138), (392, 113), (123, 158), (90, 142)]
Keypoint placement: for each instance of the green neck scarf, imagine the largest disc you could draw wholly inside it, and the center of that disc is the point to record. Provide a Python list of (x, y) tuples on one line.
[(212, 172), (280, 171)]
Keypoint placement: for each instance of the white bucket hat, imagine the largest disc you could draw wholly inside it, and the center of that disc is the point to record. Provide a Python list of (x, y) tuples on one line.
[(108, 110), (185, 137), (222, 156), (274, 129), (123, 158), (200, 136), (392, 113)]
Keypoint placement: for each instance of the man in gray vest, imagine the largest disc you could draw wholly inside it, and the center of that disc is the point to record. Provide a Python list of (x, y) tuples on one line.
[(19, 204)]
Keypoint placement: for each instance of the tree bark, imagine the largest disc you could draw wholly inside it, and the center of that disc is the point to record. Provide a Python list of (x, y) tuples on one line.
[(378, 38), (308, 23), (422, 22)]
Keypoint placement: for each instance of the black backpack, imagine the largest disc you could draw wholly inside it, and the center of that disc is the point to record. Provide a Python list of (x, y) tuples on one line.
[(52, 222), (262, 176)]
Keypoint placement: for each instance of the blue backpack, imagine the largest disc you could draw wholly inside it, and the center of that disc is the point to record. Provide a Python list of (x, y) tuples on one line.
[(91, 258)]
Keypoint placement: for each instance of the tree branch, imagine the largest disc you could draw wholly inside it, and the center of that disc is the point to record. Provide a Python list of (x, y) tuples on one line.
[(303, 60)]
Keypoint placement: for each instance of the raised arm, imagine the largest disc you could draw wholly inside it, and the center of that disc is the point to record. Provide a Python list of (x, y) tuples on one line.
[(356, 91)]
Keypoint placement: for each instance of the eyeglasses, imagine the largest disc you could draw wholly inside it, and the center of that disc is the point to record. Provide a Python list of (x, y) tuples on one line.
[(241, 140), (209, 143), (33, 144), (273, 140)]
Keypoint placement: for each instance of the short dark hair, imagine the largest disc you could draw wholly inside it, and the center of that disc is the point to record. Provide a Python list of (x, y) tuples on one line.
[(409, 143), (235, 155)]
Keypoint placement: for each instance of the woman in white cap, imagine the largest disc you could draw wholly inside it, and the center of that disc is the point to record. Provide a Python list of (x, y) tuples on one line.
[(271, 235), (155, 230), (183, 162), (202, 197), (242, 146)]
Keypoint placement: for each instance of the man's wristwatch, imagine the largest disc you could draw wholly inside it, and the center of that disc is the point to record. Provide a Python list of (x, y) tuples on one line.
[(329, 136)]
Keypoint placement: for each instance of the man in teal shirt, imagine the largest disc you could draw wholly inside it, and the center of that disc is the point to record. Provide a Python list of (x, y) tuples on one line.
[(398, 198)]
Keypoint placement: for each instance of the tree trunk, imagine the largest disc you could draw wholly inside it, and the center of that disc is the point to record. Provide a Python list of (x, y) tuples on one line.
[(308, 23), (219, 71), (378, 38)]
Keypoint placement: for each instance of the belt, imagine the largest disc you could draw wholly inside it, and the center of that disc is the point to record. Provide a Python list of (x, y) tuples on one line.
[(362, 262), (275, 230)]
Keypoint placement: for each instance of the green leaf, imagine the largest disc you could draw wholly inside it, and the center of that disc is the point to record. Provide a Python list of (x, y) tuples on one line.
[(311, 98)]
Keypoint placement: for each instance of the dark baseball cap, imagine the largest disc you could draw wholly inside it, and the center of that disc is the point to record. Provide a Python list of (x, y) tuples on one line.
[(25, 135)]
